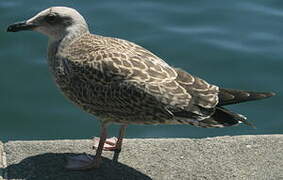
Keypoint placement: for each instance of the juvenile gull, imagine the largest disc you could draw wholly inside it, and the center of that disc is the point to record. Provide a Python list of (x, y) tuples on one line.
[(121, 82)]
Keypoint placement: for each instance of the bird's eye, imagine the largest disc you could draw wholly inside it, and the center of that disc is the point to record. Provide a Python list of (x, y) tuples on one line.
[(51, 18)]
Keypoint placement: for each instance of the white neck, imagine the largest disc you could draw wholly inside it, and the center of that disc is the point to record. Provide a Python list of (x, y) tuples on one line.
[(73, 32)]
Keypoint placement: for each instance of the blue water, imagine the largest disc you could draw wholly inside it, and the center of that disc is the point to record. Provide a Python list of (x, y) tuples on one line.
[(234, 44)]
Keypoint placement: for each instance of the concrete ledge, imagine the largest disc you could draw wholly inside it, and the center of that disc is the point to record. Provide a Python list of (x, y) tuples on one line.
[(2, 161), (238, 157)]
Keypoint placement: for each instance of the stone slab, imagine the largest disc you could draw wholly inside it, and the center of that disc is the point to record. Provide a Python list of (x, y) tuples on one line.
[(240, 157), (2, 161)]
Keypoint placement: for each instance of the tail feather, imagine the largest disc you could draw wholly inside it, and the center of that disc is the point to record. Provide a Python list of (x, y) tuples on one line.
[(223, 117), (233, 96)]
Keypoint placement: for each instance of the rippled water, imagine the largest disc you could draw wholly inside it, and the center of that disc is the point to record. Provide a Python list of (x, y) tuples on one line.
[(234, 44)]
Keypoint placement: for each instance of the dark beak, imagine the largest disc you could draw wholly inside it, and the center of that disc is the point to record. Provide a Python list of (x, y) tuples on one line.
[(21, 26)]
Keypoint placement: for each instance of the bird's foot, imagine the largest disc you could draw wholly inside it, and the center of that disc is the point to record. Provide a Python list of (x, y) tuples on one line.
[(109, 145), (82, 162)]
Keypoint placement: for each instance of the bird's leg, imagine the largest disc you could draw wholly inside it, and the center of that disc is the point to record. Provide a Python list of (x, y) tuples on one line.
[(118, 146), (112, 144), (84, 162)]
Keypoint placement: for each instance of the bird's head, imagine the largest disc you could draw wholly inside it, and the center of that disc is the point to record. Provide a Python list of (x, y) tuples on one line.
[(55, 22)]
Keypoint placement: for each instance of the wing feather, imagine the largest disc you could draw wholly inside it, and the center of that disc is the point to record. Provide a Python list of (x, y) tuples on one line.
[(173, 90)]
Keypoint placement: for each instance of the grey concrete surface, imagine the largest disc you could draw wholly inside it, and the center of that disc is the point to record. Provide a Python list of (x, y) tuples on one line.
[(238, 157), (2, 159)]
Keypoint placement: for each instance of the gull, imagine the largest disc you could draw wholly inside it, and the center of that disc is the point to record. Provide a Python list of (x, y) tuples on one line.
[(121, 82)]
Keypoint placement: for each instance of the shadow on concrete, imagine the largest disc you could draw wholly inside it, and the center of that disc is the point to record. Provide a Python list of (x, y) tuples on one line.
[(50, 166)]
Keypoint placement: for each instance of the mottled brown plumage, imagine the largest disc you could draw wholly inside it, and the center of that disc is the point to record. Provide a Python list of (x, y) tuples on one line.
[(121, 82)]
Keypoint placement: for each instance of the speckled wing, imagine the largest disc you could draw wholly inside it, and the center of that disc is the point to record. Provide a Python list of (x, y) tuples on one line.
[(204, 95), (114, 60)]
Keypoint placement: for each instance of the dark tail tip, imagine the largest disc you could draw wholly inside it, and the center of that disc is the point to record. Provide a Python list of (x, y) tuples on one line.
[(262, 95), (233, 96), (269, 94)]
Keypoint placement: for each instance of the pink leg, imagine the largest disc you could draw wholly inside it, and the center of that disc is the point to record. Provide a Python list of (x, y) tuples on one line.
[(112, 144), (83, 162), (119, 142)]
